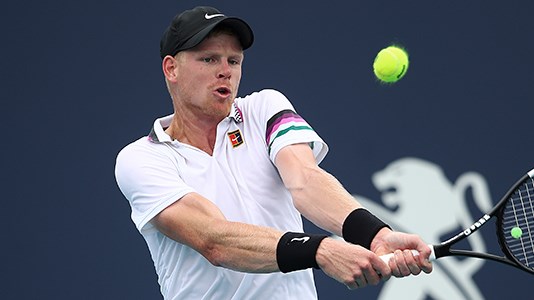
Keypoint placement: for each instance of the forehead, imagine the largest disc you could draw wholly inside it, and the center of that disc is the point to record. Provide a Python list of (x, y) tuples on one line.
[(221, 40)]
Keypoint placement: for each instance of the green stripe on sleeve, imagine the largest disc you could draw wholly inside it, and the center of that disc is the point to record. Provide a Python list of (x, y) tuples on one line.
[(282, 132)]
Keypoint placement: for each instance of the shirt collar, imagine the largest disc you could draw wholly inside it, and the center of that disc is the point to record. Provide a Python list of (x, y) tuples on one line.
[(236, 113), (158, 135)]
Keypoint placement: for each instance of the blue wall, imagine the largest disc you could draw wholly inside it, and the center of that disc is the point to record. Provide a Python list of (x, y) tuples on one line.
[(82, 79)]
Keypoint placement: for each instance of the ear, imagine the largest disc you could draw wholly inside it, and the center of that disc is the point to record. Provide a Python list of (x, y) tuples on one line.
[(170, 68)]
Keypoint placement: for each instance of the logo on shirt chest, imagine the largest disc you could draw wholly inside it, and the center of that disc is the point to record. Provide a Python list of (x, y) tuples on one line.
[(235, 138)]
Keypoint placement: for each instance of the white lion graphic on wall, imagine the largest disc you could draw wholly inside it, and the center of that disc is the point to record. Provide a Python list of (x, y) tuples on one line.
[(418, 198)]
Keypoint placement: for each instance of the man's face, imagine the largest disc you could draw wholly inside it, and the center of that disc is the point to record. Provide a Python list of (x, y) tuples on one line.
[(208, 77)]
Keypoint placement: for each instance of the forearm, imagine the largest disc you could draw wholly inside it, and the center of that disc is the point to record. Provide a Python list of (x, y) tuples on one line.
[(194, 221), (323, 200), (243, 247)]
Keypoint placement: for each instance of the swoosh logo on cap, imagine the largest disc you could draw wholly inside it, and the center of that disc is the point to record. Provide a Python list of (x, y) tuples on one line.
[(212, 16)]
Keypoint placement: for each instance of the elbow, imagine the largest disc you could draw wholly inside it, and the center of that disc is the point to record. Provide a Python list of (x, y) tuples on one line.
[(304, 190), (302, 180), (214, 254)]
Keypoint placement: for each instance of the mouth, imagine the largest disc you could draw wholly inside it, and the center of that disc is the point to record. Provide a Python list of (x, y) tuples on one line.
[(223, 92)]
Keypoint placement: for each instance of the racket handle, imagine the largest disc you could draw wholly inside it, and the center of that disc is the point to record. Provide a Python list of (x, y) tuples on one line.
[(387, 257)]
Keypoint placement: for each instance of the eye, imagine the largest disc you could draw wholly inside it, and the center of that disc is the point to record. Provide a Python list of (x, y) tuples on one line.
[(234, 62), (208, 59)]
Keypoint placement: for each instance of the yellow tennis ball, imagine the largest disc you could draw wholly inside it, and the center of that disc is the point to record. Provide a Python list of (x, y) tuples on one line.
[(391, 64), (516, 232)]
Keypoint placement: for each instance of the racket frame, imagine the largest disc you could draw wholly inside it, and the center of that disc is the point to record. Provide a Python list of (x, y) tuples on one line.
[(444, 248)]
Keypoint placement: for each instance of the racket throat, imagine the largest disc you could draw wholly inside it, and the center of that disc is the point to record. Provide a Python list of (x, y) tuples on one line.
[(445, 250), (442, 250)]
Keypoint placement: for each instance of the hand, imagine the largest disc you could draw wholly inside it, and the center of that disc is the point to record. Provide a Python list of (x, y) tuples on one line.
[(403, 263), (352, 265)]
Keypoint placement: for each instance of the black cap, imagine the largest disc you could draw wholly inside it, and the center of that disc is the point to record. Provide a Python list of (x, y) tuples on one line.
[(190, 27)]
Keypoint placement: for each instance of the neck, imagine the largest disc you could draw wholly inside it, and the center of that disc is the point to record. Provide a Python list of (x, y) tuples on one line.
[(200, 134)]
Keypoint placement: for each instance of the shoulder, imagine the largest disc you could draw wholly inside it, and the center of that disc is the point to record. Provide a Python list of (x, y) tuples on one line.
[(266, 102), (140, 145), (139, 153), (263, 96), (268, 93)]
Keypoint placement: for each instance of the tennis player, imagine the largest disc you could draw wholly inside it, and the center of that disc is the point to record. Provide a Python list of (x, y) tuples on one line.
[(218, 189)]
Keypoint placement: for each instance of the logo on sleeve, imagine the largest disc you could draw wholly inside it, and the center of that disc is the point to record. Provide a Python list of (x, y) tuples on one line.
[(235, 138)]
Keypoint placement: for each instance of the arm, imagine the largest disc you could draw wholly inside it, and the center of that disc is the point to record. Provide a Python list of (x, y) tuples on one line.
[(317, 195), (198, 223), (323, 200)]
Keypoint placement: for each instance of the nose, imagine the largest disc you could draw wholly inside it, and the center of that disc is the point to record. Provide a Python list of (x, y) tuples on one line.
[(224, 71)]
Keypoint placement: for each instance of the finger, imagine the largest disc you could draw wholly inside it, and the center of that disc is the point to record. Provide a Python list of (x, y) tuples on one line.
[(356, 283), (360, 283), (423, 260), (401, 263), (425, 264), (384, 274), (411, 262), (371, 276), (382, 269), (352, 285), (395, 271)]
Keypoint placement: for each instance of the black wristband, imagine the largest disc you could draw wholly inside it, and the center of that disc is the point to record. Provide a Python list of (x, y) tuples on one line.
[(361, 226), (296, 251)]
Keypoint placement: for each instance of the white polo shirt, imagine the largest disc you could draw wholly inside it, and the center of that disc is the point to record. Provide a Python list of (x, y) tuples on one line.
[(240, 178)]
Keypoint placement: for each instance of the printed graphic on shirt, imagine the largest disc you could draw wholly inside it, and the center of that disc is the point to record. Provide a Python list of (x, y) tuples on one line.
[(235, 138), (283, 123)]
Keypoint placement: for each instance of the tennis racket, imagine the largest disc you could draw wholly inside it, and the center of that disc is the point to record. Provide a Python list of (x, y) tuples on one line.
[(514, 215)]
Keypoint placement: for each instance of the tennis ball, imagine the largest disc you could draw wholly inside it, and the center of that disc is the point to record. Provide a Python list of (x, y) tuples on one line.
[(391, 64), (516, 232)]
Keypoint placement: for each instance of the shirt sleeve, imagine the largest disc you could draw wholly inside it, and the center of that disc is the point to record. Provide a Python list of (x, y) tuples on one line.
[(149, 179), (284, 126)]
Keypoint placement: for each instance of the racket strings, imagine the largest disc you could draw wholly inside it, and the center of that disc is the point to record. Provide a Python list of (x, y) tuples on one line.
[(531, 207), (522, 201), (519, 213)]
